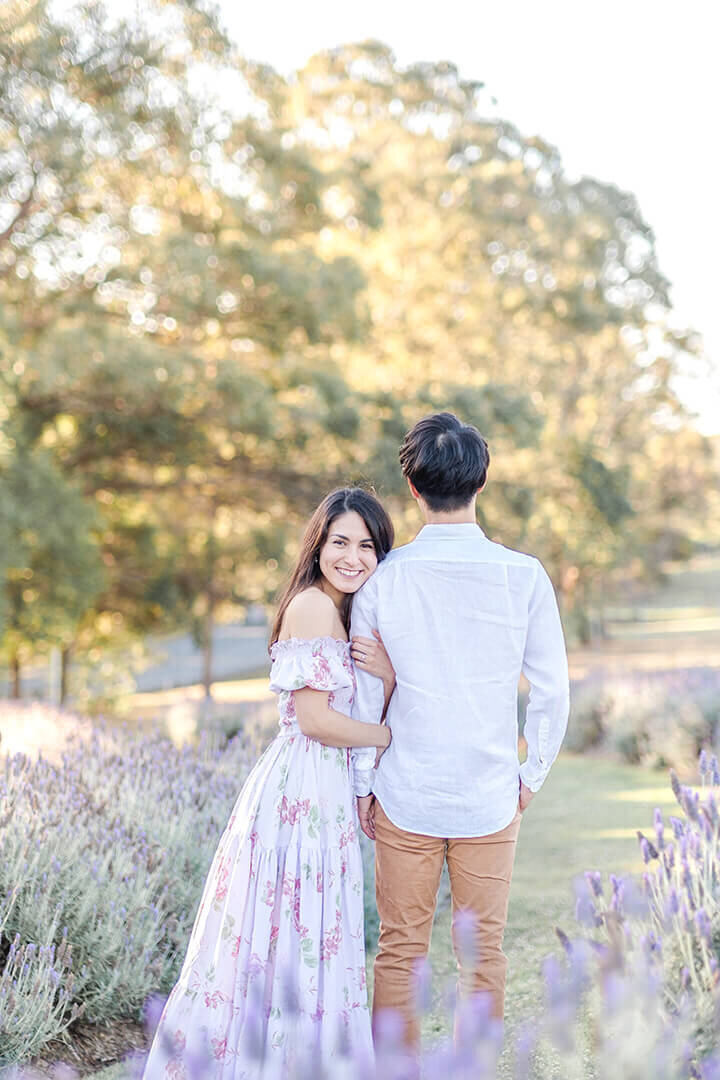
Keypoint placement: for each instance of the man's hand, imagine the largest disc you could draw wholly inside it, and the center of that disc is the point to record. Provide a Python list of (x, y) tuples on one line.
[(366, 813), (526, 797)]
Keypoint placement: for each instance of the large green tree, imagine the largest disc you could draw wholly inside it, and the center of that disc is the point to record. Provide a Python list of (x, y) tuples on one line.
[(222, 293), (164, 305), (51, 569), (530, 301)]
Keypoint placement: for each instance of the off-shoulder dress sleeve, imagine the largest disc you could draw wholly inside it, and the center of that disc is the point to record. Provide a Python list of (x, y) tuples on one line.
[(321, 663)]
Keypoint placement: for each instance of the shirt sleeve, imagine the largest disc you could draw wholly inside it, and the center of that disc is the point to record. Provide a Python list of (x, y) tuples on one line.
[(545, 668), (369, 695)]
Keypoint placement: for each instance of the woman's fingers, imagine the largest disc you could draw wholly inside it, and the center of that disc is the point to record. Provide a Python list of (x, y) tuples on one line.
[(362, 649)]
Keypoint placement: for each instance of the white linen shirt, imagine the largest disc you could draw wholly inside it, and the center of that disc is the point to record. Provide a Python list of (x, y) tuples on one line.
[(460, 617)]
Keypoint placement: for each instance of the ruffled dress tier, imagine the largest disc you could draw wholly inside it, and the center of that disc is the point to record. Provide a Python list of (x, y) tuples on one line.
[(275, 968)]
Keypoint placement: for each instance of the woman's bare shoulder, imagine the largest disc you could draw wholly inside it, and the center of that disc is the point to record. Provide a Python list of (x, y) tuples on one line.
[(310, 614)]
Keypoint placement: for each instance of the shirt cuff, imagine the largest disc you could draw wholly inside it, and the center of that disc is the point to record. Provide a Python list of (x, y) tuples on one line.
[(362, 782), (532, 778)]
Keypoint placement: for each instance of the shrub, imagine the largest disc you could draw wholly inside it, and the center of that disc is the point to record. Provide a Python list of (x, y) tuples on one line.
[(102, 857), (657, 719)]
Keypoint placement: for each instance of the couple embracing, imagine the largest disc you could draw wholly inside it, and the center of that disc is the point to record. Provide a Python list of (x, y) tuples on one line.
[(396, 673)]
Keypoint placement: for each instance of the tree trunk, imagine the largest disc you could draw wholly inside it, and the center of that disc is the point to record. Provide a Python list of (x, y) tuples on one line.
[(209, 617), (65, 655), (16, 689), (208, 645)]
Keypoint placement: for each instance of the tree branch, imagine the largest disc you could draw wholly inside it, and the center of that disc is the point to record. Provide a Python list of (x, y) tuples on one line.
[(25, 207)]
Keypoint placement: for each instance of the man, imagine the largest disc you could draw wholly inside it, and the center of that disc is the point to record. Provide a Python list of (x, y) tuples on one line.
[(460, 617)]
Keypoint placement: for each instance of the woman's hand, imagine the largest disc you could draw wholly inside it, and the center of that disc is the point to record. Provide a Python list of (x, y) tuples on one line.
[(381, 749), (370, 655)]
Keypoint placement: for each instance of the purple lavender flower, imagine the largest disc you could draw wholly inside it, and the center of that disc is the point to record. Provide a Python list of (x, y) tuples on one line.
[(710, 1067), (422, 984), (678, 827), (585, 910), (464, 931), (659, 828), (702, 921), (525, 1046), (594, 880), (675, 785)]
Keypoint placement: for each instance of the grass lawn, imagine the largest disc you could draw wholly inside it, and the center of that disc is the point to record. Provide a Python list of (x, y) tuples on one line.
[(584, 818)]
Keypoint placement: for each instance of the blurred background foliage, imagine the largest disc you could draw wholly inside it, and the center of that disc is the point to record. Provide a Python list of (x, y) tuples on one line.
[(223, 293)]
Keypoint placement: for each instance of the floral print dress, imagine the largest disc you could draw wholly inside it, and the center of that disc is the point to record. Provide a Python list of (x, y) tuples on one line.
[(274, 977)]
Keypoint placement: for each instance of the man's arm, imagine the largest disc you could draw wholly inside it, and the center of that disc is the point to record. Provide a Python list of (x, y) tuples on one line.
[(545, 668), (369, 698)]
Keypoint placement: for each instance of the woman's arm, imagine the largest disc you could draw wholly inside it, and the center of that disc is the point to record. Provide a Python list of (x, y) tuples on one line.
[(312, 614), (371, 656), (318, 721)]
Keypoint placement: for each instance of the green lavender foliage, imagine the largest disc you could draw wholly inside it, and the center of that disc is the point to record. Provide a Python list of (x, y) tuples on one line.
[(102, 858), (670, 925), (36, 990)]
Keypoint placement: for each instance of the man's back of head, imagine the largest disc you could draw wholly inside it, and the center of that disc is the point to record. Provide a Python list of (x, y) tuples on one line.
[(445, 461)]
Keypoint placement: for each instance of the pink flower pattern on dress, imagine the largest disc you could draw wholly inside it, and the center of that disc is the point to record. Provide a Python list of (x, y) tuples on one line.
[(219, 1048), (290, 812), (287, 864), (221, 882), (331, 941), (214, 1000)]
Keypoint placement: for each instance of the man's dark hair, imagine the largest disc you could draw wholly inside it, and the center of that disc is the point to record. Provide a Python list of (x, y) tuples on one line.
[(445, 460)]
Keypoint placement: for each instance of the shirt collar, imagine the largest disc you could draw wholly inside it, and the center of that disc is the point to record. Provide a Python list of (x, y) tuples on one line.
[(465, 530)]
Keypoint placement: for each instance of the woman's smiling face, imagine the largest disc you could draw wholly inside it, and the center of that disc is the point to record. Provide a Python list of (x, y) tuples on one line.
[(347, 558)]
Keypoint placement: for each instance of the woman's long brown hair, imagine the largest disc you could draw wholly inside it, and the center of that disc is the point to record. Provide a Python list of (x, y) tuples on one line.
[(307, 570)]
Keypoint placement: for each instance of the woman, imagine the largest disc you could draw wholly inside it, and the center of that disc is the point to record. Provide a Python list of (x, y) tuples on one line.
[(274, 976)]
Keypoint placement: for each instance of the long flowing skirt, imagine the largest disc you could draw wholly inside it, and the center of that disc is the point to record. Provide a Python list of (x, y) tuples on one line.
[(275, 970)]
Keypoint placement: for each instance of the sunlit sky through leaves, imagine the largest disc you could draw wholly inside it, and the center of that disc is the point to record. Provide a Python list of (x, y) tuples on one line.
[(625, 91)]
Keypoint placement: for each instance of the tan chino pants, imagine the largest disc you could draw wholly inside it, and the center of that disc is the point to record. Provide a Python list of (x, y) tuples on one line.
[(408, 869)]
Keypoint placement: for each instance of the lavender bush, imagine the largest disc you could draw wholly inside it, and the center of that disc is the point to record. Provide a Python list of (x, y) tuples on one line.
[(670, 926), (103, 853), (659, 718), (602, 1021), (102, 858)]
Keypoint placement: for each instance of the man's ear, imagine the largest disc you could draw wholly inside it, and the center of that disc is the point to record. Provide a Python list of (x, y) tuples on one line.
[(482, 486), (413, 490)]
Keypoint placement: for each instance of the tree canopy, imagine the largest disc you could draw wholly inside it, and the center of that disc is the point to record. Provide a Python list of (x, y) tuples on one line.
[(223, 293)]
